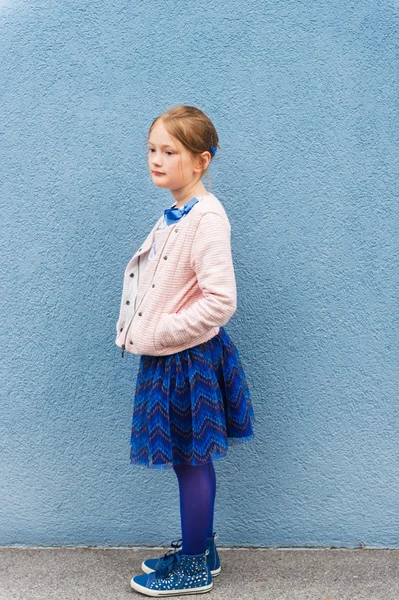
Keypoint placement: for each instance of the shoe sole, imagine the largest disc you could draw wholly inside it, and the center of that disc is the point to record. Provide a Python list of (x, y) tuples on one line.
[(156, 593), (148, 570)]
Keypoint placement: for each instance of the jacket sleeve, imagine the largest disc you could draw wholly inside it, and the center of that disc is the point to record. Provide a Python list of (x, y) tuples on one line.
[(211, 259)]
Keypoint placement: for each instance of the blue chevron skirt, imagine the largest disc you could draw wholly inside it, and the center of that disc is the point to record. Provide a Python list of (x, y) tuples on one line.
[(188, 403)]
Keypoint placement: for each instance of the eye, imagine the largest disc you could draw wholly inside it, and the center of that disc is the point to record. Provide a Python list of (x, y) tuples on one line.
[(167, 151)]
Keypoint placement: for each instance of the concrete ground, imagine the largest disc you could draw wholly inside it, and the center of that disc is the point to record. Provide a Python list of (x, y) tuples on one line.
[(78, 573)]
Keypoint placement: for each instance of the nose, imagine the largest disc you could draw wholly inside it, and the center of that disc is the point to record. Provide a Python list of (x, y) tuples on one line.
[(155, 159)]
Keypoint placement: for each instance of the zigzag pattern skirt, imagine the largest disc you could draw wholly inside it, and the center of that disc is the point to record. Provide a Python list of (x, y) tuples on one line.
[(188, 404)]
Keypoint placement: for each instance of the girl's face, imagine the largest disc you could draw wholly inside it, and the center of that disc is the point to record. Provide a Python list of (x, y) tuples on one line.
[(170, 164)]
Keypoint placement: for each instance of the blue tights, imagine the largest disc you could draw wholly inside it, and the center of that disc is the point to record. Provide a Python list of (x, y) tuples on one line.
[(197, 485)]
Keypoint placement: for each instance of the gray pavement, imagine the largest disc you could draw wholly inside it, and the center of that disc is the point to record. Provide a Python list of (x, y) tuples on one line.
[(78, 573)]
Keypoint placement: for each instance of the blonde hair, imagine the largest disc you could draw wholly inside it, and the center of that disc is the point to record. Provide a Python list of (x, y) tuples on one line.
[(192, 128)]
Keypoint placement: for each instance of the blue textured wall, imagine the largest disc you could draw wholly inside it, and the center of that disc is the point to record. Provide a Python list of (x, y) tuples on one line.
[(304, 97)]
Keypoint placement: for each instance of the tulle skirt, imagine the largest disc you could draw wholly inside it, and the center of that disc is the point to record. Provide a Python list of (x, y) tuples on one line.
[(188, 404)]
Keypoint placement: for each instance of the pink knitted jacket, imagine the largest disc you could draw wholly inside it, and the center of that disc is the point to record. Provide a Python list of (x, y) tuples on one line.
[(187, 291)]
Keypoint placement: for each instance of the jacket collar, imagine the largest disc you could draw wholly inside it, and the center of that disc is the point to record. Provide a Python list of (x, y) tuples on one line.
[(159, 234)]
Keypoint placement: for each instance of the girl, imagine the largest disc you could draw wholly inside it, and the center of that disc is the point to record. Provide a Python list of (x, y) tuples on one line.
[(191, 394)]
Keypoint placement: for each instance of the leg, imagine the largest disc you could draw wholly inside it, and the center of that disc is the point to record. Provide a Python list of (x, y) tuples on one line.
[(197, 500), (212, 476)]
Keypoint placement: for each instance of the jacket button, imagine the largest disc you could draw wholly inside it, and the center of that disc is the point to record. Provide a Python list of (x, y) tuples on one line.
[(140, 249), (153, 285), (127, 302), (121, 329), (140, 314), (176, 230), (131, 274), (131, 342), (165, 257)]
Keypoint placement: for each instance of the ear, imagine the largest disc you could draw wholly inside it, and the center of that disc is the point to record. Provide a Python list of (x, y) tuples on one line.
[(202, 161)]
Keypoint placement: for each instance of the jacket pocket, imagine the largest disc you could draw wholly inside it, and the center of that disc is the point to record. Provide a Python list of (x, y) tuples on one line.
[(168, 335), (159, 335)]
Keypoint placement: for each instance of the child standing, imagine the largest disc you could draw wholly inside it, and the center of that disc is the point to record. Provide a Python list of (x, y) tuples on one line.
[(179, 291)]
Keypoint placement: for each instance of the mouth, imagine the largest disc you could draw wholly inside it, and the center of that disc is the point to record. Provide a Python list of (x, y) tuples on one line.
[(157, 173)]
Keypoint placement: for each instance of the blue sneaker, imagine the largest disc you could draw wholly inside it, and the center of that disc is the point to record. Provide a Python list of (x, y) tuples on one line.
[(152, 564), (179, 574)]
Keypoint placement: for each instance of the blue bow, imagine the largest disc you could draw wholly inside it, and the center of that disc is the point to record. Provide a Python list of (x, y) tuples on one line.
[(174, 214)]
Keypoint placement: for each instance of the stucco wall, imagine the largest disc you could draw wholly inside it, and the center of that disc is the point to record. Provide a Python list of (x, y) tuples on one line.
[(304, 97)]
